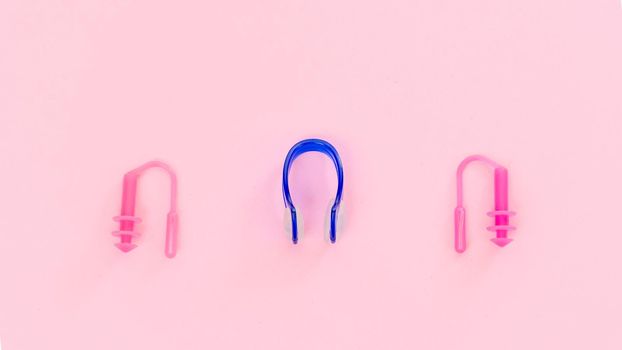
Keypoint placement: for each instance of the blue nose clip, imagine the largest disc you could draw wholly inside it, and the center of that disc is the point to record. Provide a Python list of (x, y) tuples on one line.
[(313, 145)]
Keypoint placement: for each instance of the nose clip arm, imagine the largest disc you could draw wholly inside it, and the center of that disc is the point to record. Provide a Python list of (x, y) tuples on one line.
[(127, 218)]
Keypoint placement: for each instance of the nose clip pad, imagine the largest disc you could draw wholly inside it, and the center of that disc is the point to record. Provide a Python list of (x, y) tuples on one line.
[(340, 214)]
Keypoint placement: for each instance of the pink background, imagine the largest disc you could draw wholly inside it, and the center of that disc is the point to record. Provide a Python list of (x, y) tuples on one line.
[(222, 89)]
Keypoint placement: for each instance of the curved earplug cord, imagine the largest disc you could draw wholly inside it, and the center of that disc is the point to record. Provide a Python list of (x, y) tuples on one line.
[(463, 166), (313, 145), (127, 219), (501, 212), (157, 164)]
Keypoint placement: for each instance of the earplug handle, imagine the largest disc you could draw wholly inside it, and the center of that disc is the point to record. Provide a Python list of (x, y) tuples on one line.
[(460, 229), (171, 235)]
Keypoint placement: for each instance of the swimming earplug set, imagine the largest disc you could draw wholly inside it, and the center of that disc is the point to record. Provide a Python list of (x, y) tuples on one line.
[(127, 220), (293, 218), (501, 212)]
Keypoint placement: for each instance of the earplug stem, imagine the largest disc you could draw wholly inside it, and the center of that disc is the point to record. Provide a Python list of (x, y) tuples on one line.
[(128, 205), (501, 201)]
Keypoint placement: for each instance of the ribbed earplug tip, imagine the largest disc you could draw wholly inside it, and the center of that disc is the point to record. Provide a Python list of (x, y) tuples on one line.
[(501, 242), (125, 247)]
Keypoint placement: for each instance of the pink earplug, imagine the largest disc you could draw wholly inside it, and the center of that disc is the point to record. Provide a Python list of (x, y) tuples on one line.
[(127, 219), (501, 212)]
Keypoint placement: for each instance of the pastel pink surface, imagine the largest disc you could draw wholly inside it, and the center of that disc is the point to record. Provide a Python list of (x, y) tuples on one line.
[(222, 89)]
